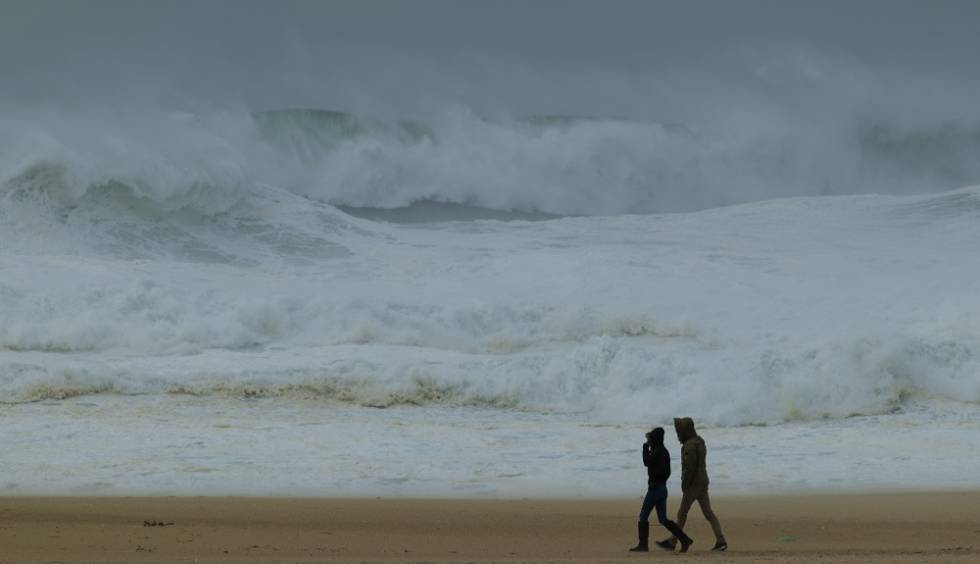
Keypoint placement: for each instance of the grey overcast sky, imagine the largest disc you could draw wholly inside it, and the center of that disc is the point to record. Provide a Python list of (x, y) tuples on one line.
[(291, 52), (625, 32)]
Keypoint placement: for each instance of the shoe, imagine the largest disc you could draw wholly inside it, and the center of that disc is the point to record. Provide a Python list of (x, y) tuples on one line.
[(643, 532), (667, 544), (686, 543), (720, 546)]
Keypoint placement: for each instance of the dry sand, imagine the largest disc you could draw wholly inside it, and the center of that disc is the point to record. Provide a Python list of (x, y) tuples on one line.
[(878, 528)]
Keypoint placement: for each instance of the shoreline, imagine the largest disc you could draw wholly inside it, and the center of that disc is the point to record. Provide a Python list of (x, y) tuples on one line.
[(717, 492), (868, 527)]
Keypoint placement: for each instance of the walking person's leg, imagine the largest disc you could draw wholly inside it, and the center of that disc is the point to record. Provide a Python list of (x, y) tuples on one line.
[(705, 502), (687, 500), (661, 505), (643, 525)]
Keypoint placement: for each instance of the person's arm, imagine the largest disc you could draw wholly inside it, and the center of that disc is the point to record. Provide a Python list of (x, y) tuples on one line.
[(647, 460), (703, 458), (689, 466)]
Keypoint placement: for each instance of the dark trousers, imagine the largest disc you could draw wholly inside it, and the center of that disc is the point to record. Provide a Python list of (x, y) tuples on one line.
[(656, 498)]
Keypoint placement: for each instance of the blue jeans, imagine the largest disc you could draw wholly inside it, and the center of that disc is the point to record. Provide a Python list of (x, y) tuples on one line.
[(656, 497)]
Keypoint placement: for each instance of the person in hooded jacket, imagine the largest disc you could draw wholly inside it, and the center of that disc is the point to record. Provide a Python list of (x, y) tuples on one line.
[(694, 483), (657, 460)]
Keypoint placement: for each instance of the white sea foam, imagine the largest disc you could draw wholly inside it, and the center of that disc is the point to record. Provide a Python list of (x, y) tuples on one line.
[(209, 162), (766, 312), (166, 445)]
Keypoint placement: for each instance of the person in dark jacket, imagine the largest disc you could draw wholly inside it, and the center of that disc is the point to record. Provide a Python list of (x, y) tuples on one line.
[(657, 460), (694, 483)]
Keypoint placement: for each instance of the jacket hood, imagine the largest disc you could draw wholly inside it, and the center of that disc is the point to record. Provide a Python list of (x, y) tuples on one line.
[(685, 429), (657, 437)]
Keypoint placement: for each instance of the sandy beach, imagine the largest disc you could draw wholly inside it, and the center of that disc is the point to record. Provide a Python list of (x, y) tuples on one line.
[(876, 528)]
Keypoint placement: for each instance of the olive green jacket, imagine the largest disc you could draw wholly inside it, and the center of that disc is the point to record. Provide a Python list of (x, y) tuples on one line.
[(694, 454)]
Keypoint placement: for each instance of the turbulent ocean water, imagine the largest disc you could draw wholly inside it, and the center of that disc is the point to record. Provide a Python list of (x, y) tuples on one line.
[(189, 298), (249, 263)]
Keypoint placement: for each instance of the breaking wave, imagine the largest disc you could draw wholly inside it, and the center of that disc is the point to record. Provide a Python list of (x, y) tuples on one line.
[(605, 378), (152, 278), (548, 165), (514, 262)]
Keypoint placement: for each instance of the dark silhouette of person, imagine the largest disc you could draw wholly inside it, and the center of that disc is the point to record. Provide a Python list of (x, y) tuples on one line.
[(657, 460), (694, 483)]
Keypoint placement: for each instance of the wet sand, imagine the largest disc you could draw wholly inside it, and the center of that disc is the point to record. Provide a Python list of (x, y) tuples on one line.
[(869, 528)]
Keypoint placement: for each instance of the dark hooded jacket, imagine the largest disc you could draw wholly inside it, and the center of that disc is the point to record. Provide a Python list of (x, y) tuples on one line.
[(656, 459), (694, 454)]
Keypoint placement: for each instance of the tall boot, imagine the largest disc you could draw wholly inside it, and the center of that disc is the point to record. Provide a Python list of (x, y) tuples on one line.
[(685, 540), (642, 531)]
